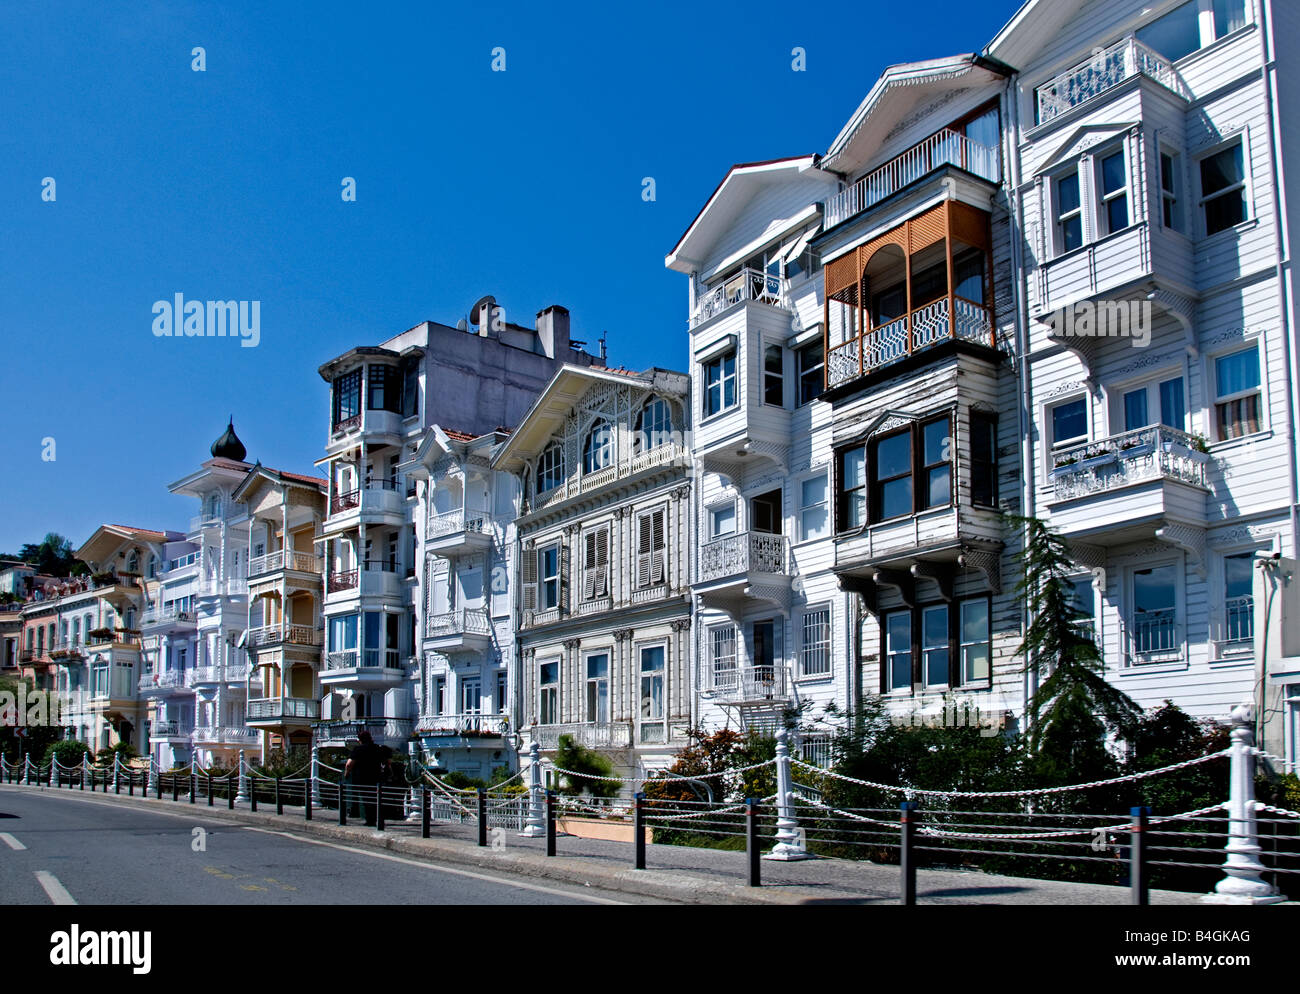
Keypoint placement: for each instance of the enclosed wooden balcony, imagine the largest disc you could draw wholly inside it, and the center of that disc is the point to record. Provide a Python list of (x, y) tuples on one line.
[(906, 294)]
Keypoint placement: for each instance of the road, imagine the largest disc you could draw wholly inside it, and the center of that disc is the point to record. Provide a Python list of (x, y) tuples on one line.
[(61, 848)]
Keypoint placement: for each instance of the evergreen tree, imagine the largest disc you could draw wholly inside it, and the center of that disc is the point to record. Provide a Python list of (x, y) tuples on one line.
[(1075, 708)]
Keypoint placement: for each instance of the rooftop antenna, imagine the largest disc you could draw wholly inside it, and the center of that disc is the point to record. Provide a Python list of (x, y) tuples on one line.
[(603, 352)]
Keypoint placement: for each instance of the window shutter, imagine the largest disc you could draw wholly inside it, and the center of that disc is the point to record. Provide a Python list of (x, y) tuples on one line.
[(529, 569), (564, 576), (601, 583), (589, 565), (644, 545), (657, 547)]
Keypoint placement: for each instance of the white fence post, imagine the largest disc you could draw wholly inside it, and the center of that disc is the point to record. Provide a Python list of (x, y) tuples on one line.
[(27, 769), (315, 774), (117, 772), (789, 842), (536, 826), (242, 796), (153, 775), (1243, 882)]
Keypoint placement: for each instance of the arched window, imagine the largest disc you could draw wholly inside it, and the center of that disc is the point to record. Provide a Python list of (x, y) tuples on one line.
[(654, 426), (598, 449), (550, 468), (133, 562), (153, 566)]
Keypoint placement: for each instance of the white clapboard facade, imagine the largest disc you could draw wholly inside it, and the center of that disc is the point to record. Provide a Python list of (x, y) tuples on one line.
[(603, 565), (1148, 188)]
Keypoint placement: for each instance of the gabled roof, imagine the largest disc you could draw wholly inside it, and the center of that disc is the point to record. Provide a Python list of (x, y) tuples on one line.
[(107, 538), (277, 477), (728, 199), (899, 92), (1030, 27), (561, 395), (439, 441), (232, 471)]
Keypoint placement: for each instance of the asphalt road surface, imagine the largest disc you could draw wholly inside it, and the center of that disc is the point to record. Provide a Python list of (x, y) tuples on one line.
[(64, 848)]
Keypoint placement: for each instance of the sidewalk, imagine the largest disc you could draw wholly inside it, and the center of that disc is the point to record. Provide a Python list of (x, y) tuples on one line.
[(674, 873)]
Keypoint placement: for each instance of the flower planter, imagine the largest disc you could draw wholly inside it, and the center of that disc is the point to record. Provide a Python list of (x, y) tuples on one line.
[(597, 828)]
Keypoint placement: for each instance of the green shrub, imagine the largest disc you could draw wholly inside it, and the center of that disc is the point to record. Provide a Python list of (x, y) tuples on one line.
[(579, 759)]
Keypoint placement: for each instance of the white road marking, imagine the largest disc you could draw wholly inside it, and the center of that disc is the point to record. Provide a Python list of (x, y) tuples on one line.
[(11, 842), (58, 894), (505, 882)]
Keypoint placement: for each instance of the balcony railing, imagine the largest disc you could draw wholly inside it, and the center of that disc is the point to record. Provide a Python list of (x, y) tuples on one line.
[(947, 148), (466, 621), (347, 424), (342, 502), (345, 580), (591, 735), (1153, 637), (170, 727), (749, 683), (28, 655), (348, 659), (1152, 453), (459, 520), (1105, 69), (213, 586), (469, 725), (1234, 633), (747, 552), (748, 284), (389, 730), (164, 680), (288, 634), (661, 455), (291, 559), (224, 735), (274, 709), (924, 328), (167, 616)]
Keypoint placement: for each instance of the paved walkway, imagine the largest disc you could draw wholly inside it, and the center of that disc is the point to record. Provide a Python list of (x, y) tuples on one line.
[(676, 873)]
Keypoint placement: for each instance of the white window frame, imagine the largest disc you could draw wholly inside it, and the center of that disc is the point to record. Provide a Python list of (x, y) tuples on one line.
[(719, 509), (1059, 219), (812, 649), (1241, 140), (825, 504), (1219, 601), (720, 361), (1172, 199), (718, 636), (598, 455), (1176, 655), (778, 376), (543, 578), (1050, 443), (945, 645), (551, 690), (887, 659), (652, 721), (1103, 199), (589, 681), (595, 576), (1215, 399), (648, 555), (962, 644), (1117, 399)]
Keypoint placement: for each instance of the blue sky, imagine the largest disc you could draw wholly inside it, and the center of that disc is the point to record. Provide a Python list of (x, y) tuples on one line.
[(225, 184)]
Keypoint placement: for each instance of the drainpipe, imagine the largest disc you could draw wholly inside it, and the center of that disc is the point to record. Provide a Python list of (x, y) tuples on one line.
[(1268, 70), (1024, 417)]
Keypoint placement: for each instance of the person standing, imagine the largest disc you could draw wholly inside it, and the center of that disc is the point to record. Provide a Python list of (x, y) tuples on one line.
[(363, 767)]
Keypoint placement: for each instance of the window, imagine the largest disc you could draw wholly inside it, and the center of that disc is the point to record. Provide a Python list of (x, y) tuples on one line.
[(1114, 192), (968, 276), (383, 388), (410, 387), (501, 692), (598, 449), (548, 684), (655, 425), (347, 397), (1069, 423), (891, 477), (1223, 189), (852, 503), (1169, 187), (976, 644), (765, 513), (550, 468), (471, 696), (720, 384), (773, 376), (934, 645), (1238, 631), (548, 566), (1193, 25), (650, 549), (936, 473), (815, 648), (984, 460), (595, 564), (1069, 213), (722, 520), (898, 650), (722, 656), (598, 687), (652, 686), (810, 361), (766, 652), (1237, 394), (1165, 396), (814, 510), (1154, 635)]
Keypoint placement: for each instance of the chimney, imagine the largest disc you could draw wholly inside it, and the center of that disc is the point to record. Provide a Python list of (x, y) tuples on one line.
[(553, 331)]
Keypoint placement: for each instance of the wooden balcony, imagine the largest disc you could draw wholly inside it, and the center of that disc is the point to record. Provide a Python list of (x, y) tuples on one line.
[(948, 319)]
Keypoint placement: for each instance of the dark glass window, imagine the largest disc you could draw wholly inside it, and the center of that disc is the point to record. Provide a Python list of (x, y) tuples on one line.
[(936, 443), (410, 388), (891, 477), (983, 460), (347, 396), (810, 360)]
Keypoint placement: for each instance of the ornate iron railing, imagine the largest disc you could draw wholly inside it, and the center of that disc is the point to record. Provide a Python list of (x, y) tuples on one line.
[(950, 318), (748, 284), (1106, 68), (459, 520), (591, 735), (746, 552), (1152, 453), (466, 621), (272, 708)]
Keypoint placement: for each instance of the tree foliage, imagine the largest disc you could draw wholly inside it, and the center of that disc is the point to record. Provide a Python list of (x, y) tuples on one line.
[(52, 555), (578, 759)]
